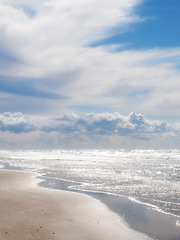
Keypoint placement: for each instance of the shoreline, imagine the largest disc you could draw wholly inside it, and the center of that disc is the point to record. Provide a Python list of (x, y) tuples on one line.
[(140, 217), (31, 212)]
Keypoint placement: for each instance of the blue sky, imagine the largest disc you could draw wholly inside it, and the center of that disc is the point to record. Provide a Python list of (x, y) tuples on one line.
[(93, 65), (160, 29)]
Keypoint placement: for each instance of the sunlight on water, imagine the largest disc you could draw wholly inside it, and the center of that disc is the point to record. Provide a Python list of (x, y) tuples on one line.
[(149, 176)]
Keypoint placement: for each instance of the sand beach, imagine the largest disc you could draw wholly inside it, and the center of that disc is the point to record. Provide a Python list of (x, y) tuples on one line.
[(30, 212)]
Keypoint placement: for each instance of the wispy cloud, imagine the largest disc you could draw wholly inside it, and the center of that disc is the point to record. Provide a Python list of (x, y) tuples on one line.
[(49, 67), (25, 87)]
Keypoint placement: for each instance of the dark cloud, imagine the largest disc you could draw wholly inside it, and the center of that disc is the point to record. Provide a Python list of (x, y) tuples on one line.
[(15, 123), (17, 128), (141, 124)]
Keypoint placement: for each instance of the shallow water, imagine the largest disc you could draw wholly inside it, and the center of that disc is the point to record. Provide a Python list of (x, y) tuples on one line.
[(139, 217), (151, 177)]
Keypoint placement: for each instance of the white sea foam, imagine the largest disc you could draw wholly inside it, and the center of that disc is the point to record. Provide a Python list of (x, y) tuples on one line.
[(153, 207), (178, 223)]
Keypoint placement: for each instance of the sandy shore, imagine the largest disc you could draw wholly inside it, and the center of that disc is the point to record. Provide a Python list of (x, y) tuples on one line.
[(30, 212)]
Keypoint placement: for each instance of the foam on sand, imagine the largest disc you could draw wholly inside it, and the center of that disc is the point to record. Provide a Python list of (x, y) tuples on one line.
[(30, 212)]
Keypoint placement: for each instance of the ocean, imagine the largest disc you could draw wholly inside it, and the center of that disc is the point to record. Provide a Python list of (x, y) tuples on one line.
[(147, 177)]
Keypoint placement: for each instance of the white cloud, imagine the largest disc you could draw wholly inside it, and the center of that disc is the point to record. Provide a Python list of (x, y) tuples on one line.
[(16, 123), (90, 130), (102, 124), (50, 48), (55, 38), (66, 23)]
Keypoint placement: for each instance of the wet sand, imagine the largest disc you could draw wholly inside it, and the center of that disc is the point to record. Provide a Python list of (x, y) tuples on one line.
[(143, 218), (139, 217), (30, 212)]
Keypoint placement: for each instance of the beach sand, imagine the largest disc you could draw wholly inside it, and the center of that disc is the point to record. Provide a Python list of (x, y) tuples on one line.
[(30, 212)]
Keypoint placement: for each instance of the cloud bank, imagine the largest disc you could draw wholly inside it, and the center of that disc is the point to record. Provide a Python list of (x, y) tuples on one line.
[(15, 123), (96, 130)]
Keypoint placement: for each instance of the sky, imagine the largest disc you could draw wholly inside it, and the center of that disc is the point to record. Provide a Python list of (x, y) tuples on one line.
[(89, 74)]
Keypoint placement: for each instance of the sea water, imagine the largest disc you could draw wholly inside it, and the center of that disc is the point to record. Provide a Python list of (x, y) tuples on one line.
[(151, 177)]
